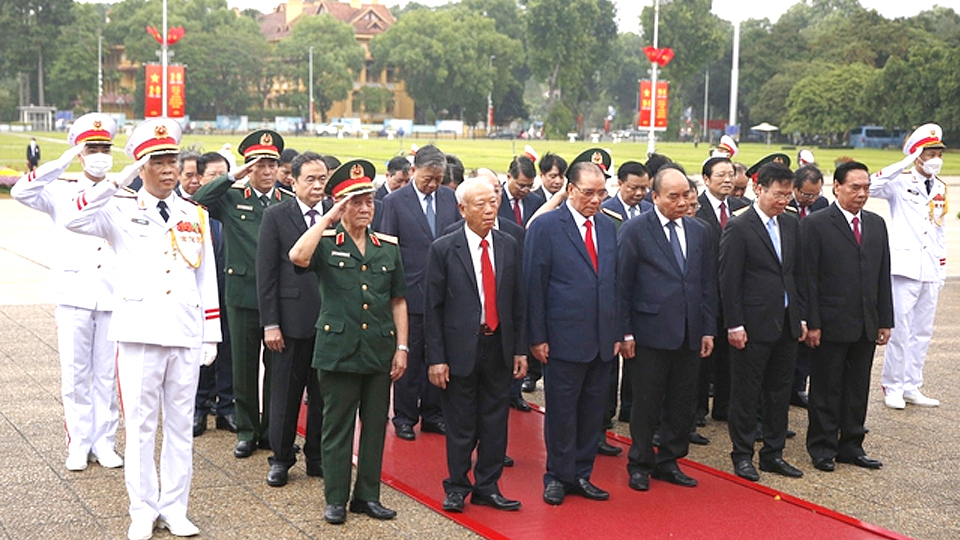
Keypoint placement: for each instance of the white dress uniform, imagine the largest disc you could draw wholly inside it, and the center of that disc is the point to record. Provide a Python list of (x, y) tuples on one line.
[(918, 260), (166, 309), (82, 290)]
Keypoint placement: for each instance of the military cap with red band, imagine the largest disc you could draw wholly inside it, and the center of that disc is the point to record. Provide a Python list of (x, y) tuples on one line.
[(925, 136), (598, 156), (155, 136), (354, 176), (776, 157), (261, 143), (93, 128)]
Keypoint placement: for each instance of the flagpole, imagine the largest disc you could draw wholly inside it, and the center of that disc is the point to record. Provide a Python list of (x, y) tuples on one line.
[(163, 60)]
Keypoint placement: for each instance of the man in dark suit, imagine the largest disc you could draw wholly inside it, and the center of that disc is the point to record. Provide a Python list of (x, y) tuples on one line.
[(475, 344), (33, 154), (289, 304), (849, 313), (807, 185), (717, 206), (519, 203), (417, 214), (634, 183), (570, 271), (397, 176), (759, 274), (239, 203), (553, 170), (668, 296)]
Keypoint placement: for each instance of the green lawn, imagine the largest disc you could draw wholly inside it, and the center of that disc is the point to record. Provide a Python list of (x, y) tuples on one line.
[(495, 154)]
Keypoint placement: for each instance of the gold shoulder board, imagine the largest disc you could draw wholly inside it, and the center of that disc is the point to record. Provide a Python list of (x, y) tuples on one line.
[(387, 238)]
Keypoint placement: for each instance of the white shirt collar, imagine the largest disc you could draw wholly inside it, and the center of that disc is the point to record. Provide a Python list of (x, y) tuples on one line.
[(578, 218), (849, 216), (304, 208), (663, 219), (763, 217)]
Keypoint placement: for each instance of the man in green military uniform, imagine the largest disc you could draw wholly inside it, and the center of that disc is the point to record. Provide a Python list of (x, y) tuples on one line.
[(361, 342), (238, 199)]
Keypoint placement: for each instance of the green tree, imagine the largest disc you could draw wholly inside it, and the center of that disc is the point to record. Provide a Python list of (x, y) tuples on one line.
[(443, 56), (374, 99), (336, 58), (26, 41), (72, 77), (830, 103)]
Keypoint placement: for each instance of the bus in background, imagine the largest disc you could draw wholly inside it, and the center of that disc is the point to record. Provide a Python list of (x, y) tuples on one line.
[(876, 137)]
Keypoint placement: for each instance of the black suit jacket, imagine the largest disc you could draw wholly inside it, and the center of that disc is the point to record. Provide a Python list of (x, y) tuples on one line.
[(403, 217), (818, 204), (504, 225), (452, 311), (286, 297), (381, 192), (663, 305), (528, 204), (848, 285), (709, 217), (753, 279)]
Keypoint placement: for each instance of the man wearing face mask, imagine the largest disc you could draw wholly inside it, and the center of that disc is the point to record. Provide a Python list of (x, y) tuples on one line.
[(918, 258), (83, 292)]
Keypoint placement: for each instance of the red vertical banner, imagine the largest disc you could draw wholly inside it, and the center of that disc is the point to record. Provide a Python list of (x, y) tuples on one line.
[(177, 101), (153, 87), (646, 103)]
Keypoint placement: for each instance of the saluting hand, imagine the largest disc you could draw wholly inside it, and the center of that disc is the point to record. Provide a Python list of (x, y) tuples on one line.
[(243, 170), (339, 208)]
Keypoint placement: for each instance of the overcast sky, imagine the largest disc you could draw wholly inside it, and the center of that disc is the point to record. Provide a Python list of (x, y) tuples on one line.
[(629, 10)]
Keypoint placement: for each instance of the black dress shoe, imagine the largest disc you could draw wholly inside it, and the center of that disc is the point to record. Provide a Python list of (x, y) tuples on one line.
[(335, 514), (434, 427), (520, 404), (244, 449), (639, 481), (791, 434), (507, 461), (453, 502), (781, 467), (696, 438), (495, 501), (227, 422), (315, 468), (277, 476), (554, 493), (862, 461), (405, 432), (371, 508), (674, 476), (745, 469), (799, 399), (584, 488), (607, 449), (528, 385), (199, 425), (824, 464)]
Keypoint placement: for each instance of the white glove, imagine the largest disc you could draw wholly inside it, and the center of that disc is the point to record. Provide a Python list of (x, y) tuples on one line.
[(208, 353), (61, 163), (892, 170), (125, 177)]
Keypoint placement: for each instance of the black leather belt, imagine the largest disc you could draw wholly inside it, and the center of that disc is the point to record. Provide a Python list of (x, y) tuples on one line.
[(486, 330)]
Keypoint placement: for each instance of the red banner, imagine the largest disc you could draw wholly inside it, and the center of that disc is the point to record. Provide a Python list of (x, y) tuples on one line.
[(646, 102), (176, 91)]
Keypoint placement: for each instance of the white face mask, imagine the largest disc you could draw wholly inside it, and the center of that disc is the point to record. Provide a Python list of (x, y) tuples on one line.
[(97, 165), (932, 166)]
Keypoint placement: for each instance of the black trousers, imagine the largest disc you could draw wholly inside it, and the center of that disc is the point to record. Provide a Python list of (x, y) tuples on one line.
[(475, 409), (576, 398), (839, 389), (292, 373), (804, 365), (664, 395), (414, 398), (761, 374)]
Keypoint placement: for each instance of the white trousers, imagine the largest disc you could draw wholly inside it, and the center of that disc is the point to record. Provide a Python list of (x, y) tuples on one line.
[(88, 379), (152, 377), (914, 308)]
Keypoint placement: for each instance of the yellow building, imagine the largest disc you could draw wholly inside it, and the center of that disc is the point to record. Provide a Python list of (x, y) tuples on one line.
[(368, 19)]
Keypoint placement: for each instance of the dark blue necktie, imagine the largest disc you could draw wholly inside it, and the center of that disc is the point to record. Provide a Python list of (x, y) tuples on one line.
[(675, 244)]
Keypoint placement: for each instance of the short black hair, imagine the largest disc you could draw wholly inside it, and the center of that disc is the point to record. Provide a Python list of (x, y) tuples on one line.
[(521, 165), (431, 157), (578, 169), (287, 155), (453, 174), (670, 166), (210, 157), (807, 173), (301, 159), (551, 160), (655, 162), (709, 164), (630, 167), (774, 172), (332, 162), (397, 164), (840, 173)]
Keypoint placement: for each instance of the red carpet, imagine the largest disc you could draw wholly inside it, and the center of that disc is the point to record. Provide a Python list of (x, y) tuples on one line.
[(722, 506)]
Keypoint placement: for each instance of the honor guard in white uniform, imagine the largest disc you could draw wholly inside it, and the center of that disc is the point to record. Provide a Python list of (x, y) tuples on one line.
[(918, 258), (166, 319), (81, 284)]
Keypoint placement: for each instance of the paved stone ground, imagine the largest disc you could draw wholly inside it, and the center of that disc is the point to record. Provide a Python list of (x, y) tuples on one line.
[(914, 494)]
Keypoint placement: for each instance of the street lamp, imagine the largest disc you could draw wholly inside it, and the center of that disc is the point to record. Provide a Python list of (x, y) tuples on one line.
[(490, 97), (311, 85), (651, 136)]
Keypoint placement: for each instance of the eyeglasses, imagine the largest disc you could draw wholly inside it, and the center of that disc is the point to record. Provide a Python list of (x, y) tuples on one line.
[(523, 187), (589, 193), (808, 196), (779, 195), (724, 175)]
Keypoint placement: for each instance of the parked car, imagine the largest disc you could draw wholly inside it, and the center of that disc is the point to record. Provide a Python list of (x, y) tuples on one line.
[(876, 137), (503, 134), (333, 129)]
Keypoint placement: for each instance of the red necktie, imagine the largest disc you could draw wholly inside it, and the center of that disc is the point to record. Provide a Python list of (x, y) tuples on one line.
[(489, 287), (803, 212), (516, 212), (591, 249), (856, 228), (723, 215)]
